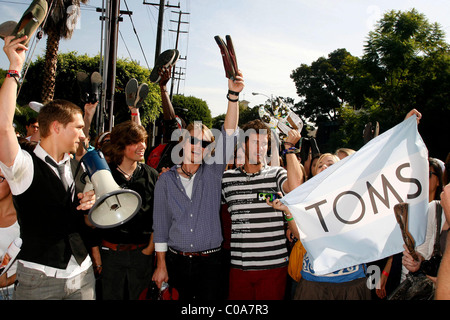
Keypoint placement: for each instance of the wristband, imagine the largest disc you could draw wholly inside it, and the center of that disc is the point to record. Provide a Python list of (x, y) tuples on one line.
[(13, 74), (135, 114), (232, 100), (233, 92), (385, 273), (290, 219), (291, 150)]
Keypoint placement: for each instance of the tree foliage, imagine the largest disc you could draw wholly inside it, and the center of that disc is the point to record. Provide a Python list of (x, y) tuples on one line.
[(406, 65), (67, 87), (192, 109)]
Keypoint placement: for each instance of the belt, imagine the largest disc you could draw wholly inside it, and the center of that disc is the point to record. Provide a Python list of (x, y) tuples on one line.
[(205, 253), (122, 247)]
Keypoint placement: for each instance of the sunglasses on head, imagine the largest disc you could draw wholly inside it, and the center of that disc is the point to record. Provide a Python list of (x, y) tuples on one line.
[(194, 140)]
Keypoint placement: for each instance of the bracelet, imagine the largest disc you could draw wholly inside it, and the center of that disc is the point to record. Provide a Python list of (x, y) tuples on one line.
[(135, 114), (233, 92), (291, 144), (385, 273), (98, 266), (290, 219), (232, 100), (291, 150), (13, 74)]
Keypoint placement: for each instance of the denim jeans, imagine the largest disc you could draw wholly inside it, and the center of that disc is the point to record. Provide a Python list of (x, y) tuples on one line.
[(35, 285), (197, 278)]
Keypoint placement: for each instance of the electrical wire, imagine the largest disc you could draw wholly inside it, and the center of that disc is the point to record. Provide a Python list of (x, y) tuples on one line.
[(137, 36)]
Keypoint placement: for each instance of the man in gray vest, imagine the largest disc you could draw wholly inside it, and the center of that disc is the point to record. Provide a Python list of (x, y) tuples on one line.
[(53, 262)]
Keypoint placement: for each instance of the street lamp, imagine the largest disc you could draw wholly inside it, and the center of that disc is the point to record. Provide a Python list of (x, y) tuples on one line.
[(262, 94)]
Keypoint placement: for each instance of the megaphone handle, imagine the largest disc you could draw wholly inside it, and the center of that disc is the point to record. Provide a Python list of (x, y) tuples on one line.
[(89, 186)]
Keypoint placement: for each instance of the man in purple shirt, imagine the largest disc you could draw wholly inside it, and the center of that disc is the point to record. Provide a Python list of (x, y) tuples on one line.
[(187, 227)]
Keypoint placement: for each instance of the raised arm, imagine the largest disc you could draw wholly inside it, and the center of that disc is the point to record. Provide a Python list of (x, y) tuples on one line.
[(295, 175), (168, 111), (232, 116), (15, 51)]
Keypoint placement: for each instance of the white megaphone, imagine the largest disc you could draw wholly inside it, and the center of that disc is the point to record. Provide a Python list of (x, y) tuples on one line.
[(114, 206)]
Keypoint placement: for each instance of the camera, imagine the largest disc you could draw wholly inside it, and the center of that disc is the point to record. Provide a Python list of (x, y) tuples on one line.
[(430, 267)]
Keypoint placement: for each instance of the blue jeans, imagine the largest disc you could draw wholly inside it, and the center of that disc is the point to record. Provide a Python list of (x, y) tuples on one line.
[(35, 285)]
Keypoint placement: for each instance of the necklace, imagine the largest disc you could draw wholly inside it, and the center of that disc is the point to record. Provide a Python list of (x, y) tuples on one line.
[(189, 174), (127, 176)]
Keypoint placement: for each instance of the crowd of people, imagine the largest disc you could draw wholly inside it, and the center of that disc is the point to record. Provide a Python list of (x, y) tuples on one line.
[(210, 230)]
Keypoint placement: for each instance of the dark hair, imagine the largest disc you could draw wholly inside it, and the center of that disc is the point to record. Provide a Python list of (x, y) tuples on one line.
[(125, 134), (256, 125), (57, 110), (31, 121), (438, 169)]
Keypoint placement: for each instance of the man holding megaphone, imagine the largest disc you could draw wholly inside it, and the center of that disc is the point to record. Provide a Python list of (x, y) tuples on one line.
[(53, 260)]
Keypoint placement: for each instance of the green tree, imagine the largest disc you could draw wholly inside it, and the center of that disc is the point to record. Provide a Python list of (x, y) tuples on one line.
[(197, 109), (408, 59), (60, 24), (326, 85), (401, 53), (66, 86)]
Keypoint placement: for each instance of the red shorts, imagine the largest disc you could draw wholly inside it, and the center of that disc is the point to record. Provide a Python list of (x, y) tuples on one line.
[(267, 284)]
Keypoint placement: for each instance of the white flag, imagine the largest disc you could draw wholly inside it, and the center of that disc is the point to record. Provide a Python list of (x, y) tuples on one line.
[(345, 214)]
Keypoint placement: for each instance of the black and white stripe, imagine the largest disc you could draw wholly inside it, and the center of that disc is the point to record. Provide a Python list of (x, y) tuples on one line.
[(258, 235)]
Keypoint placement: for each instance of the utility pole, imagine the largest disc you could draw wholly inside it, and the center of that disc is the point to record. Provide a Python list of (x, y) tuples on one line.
[(160, 29), (113, 27), (176, 46), (112, 20), (159, 34)]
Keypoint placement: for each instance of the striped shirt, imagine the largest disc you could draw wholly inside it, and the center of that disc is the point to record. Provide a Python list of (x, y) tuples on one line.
[(258, 239)]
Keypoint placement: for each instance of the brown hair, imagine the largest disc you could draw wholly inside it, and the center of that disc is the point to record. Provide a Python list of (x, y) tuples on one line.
[(57, 110), (257, 125), (125, 134)]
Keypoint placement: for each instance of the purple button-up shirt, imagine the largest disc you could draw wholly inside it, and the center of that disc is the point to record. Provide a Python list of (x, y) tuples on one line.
[(192, 225)]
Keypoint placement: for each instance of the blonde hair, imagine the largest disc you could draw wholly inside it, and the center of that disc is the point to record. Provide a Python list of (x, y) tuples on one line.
[(346, 151), (195, 126), (333, 156)]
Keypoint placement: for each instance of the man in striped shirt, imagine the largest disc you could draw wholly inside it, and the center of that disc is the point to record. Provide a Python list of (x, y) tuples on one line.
[(259, 256)]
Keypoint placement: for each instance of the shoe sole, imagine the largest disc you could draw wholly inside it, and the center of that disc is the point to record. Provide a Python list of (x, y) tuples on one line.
[(230, 73), (83, 82), (96, 81), (141, 95), (131, 92), (164, 60), (287, 118), (36, 106), (7, 28), (265, 117)]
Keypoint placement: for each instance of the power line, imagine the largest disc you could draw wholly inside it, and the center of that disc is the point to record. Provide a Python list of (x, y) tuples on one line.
[(129, 53), (137, 36)]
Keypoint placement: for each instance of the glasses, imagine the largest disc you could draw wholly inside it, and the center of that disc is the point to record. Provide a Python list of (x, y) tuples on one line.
[(194, 140), (431, 173), (2, 179)]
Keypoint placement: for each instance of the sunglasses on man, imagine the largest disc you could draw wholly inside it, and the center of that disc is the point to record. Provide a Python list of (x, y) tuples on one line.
[(194, 140)]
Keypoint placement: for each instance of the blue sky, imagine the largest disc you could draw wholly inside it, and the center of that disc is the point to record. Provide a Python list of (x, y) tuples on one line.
[(271, 37)]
